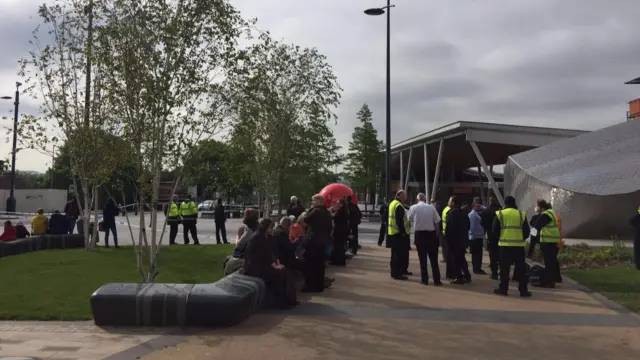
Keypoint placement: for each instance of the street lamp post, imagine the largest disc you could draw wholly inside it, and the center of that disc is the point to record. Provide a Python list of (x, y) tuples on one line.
[(387, 155), (11, 201)]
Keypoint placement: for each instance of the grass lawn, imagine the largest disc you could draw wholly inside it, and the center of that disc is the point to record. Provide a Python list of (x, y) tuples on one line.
[(57, 284), (620, 283)]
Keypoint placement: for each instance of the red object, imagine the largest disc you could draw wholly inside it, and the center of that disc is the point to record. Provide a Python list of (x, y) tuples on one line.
[(333, 192), (9, 234)]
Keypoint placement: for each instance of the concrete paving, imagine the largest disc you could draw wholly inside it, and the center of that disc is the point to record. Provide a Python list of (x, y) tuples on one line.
[(366, 315)]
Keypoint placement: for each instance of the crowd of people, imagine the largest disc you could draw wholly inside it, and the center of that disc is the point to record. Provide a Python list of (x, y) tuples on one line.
[(301, 243), (459, 228)]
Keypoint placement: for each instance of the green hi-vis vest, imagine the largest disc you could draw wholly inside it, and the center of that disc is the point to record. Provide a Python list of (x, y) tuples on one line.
[(444, 219), (550, 233), (511, 221), (188, 208), (173, 210), (392, 227)]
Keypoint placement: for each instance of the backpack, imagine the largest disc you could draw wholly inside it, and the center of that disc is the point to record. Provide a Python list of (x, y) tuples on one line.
[(536, 275)]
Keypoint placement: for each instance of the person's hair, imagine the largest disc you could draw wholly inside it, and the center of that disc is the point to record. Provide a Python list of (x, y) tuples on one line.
[(317, 197), (510, 201), (251, 218), (493, 200), (477, 201), (40, 211), (300, 219), (285, 221), (453, 200), (264, 224), (400, 192), (7, 223), (543, 204), (422, 197), (294, 199)]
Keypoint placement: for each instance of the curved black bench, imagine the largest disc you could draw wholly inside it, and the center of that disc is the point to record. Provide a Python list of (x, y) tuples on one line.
[(227, 302), (41, 242)]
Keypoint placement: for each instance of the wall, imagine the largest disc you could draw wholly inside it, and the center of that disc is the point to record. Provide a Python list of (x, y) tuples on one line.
[(29, 200)]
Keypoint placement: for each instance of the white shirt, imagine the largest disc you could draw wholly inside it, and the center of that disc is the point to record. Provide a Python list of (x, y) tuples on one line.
[(423, 216)]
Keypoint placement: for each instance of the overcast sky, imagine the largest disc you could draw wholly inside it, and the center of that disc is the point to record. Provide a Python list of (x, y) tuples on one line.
[(557, 63)]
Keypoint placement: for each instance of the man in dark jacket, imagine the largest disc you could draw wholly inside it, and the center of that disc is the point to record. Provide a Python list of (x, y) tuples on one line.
[(220, 218), (458, 238), (635, 222), (383, 223), (319, 223), (487, 216), (398, 233), (283, 248), (58, 224), (295, 208), (355, 218), (533, 240), (72, 212)]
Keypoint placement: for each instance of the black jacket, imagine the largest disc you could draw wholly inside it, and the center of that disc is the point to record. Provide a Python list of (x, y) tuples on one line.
[(58, 224), (383, 213), (22, 232), (219, 215), (283, 248), (457, 227), (259, 257), (534, 219), (295, 210), (341, 224), (635, 222), (541, 221), (486, 220), (109, 213), (355, 216), (319, 221), (525, 225)]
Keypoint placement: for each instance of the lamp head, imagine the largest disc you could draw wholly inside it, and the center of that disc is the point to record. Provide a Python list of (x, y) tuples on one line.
[(374, 11)]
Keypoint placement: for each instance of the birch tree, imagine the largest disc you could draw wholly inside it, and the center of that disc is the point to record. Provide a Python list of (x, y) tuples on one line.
[(166, 61), (59, 73)]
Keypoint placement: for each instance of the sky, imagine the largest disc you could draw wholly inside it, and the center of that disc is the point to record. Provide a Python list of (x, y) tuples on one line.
[(530, 62)]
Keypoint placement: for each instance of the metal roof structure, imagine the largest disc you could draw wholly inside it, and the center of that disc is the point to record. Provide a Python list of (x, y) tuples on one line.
[(602, 162), (635, 81)]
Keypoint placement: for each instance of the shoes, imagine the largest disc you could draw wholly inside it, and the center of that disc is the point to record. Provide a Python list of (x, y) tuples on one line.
[(424, 282), (408, 273), (480, 272), (494, 277), (526, 294), (401, 277), (459, 281), (437, 283), (500, 292)]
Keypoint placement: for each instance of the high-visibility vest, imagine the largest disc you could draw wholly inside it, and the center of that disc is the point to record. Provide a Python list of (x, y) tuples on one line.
[(550, 233), (392, 225), (444, 219), (174, 211), (188, 208), (511, 221)]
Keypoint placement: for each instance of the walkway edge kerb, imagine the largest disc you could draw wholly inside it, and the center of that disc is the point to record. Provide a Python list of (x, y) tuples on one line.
[(155, 344), (596, 296)]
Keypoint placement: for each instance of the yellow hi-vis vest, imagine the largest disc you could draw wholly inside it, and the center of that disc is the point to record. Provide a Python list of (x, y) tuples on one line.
[(173, 210), (188, 208), (392, 227), (511, 221), (550, 233), (444, 219)]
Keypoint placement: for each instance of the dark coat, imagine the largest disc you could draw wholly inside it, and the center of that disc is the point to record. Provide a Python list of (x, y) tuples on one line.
[(58, 224), (319, 222), (71, 208), (219, 215), (109, 214), (22, 232), (457, 227), (284, 249), (355, 216), (259, 257), (341, 224), (294, 210), (635, 222), (486, 220)]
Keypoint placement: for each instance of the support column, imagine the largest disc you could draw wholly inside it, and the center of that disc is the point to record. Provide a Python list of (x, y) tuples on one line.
[(426, 172), (401, 170), (406, 182), (436, 177), (492, 182)]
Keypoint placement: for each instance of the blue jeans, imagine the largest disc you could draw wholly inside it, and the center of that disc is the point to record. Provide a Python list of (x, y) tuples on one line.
[(106, 235)]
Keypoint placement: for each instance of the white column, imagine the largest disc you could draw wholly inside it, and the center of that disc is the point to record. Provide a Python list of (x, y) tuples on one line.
[(436, 177), (406, 182), (426, 171), (492, 182)]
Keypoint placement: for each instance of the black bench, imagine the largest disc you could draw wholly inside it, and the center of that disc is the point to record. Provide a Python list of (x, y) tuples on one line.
[(41, 242), (227, 302)]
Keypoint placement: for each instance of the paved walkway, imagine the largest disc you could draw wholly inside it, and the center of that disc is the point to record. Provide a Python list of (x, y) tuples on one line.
[(366, 315)]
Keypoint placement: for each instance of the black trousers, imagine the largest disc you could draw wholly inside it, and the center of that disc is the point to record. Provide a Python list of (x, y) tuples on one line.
[(353, 242), (551, 264), (338, 253), (399, 254), (427, 246), (477, 250), (173, 232), (221, 228), (494, 256), (190, 227), (513, 255), (447, 255), (460, 267), (383, 233), (534, 240), (314, 269)]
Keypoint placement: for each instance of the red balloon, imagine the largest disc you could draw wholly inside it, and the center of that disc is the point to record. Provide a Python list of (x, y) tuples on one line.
[(333, 192)]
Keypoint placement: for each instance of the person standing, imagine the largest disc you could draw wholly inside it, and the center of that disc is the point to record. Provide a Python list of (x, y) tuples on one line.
[(109, 213), (547, 228), (294, 208), (319, 223), (355, 218), (635, 222), (446, 254), (340, 233), (487, 216), (476, 237), (398, 236), (425, 222), (173, 218), (534, 240), (513, 228), (72, 213), (189, 213), (220, 218), (458, 238), (383, 222)]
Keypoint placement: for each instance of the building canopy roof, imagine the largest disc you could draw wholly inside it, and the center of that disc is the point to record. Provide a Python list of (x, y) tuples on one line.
[(603, 162)]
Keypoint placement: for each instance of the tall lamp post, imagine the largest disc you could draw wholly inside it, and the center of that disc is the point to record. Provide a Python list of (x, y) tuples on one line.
[(11, 201), (387, 155)]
